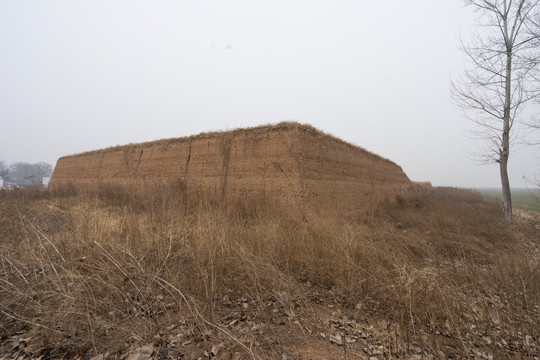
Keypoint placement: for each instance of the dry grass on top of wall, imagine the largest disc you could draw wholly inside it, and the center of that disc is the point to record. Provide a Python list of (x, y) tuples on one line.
[(250, 131)]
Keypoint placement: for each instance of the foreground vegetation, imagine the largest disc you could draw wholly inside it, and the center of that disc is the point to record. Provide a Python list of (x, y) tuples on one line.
[(161, 273)]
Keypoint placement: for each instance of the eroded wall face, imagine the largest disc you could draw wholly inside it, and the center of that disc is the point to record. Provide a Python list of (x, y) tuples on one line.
[(294, 166), (227, 164), (336, 175)]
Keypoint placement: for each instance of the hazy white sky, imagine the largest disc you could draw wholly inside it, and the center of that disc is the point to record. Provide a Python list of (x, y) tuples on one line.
[(81, 75)]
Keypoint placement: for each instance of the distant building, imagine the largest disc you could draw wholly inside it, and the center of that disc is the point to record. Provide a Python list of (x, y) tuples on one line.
[(45, 181)]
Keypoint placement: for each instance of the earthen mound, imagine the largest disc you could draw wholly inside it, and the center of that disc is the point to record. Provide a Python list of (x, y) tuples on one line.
[(288, 162)]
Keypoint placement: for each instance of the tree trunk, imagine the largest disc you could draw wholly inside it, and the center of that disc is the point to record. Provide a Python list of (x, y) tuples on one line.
[(505, 148), (507, 197)]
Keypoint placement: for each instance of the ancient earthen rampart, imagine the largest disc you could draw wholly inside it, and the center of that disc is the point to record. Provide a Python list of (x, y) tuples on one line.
[(288, 162)]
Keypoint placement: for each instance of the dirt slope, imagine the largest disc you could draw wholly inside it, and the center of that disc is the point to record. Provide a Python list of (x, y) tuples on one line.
[(290, 162)]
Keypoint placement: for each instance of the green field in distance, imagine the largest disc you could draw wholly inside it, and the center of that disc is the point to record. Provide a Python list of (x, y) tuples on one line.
[(525, 199)]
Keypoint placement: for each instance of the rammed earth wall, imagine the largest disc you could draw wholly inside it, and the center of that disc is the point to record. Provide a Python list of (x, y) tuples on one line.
[(288, 162)]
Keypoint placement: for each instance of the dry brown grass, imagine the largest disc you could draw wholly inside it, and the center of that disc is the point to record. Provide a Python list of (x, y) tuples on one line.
[(252, 131), (110, 271)]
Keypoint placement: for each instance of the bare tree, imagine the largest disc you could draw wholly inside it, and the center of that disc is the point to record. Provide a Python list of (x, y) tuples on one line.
[(26, 174), (4, 170), (41, 170), (499, 79)]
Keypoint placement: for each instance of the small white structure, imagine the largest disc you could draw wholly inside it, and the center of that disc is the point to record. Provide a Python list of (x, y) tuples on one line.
[(1, 182), (45, 181)]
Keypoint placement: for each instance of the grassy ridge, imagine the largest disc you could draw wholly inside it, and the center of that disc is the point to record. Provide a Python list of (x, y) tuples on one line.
[(524, 199), (111, 273)]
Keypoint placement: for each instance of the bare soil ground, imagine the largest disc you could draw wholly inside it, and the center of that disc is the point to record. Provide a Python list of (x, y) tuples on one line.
[(166, 274)]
